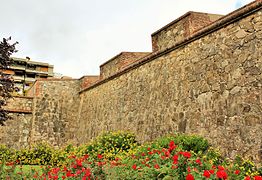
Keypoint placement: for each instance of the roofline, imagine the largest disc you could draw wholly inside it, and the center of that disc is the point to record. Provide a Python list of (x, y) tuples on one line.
[(31, 62)]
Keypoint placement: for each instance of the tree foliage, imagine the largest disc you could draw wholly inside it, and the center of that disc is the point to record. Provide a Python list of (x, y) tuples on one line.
[(6, 81)]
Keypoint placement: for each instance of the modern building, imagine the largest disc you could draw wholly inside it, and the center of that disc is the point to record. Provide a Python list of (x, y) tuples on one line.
[(25, 72)]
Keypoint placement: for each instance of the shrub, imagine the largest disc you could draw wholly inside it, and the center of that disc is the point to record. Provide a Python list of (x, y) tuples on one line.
[(39, 154), (7, 154), (109, 144), (185, 142)]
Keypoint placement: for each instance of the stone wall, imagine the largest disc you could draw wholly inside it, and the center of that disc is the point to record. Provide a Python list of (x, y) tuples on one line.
[(181, 29), (87, 81), (55, 111), (20, 104), (209, 85), (17, 131), (119, 62)]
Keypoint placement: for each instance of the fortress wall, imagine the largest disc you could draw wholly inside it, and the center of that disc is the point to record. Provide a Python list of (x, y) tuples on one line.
[(210, 85), (55, 111), (17, 131)]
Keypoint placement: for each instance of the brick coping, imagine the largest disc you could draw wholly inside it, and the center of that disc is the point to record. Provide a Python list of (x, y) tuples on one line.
[(24, 97), (124, 52), (179, 19), (20, 111)]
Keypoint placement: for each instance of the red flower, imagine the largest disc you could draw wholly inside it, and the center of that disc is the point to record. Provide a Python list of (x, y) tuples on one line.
[(100, 163), (198, 161), (134, 167), (175, 159), (99, 156), (69, 174), (172, 146), (237, 172), (186, 154), (258, 177), (206, 174), (150, 153), (188, 169), (211, 171), (79, 162), (167, 154), (55, 170), (86, 156), (247, 178), (221, 168), (163, 157), (222, 174), (190, 177), (87, 172), (78, 172), (156, 166)]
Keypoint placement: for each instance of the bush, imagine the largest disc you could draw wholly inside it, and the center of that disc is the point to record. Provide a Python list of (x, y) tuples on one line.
[(7, 154), (39, 154), (185, 142), (110, 144)]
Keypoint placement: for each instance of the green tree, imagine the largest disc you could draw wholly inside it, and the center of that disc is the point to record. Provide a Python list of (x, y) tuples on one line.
[(6, 81)]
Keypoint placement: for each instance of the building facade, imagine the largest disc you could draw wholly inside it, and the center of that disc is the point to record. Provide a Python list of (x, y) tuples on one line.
[(25, 72)]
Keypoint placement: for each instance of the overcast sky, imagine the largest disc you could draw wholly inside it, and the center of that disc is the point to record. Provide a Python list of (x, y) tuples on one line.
[(77, 36)]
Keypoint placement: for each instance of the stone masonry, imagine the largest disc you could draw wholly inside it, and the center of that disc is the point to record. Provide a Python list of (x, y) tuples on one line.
[(203, 77)]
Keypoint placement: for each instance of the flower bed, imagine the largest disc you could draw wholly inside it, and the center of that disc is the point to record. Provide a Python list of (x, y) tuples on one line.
[(171, 157)]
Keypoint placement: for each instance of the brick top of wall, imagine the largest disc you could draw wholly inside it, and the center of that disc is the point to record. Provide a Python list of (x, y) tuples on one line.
[(119, 62), (181, 28)]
